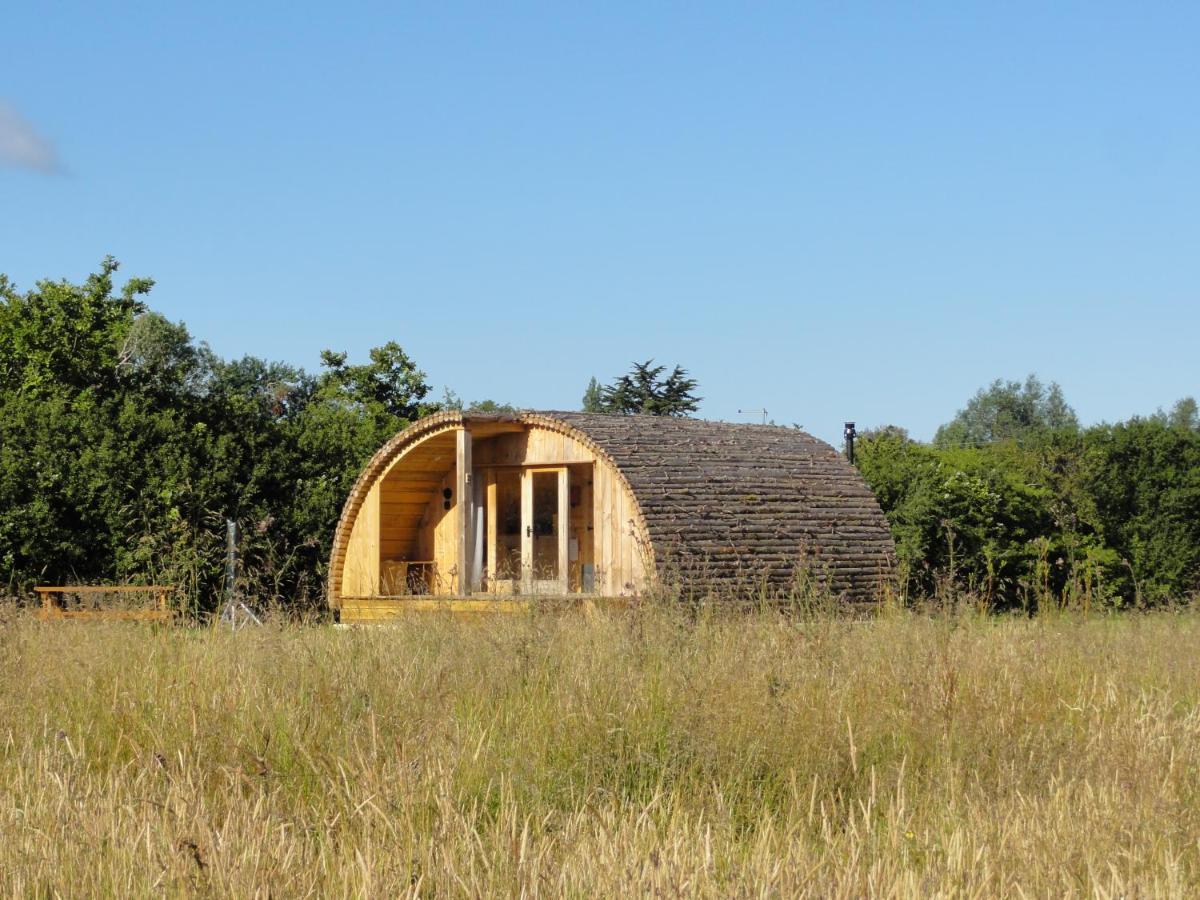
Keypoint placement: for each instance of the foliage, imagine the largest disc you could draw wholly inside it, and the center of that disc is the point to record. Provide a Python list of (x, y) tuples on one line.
[(124, 445), (451, 400), (957, 514), (1108, 514), (1142, 479), (389, 387), (644, 391), (1007, 410), (593, 397), (1184, 414)]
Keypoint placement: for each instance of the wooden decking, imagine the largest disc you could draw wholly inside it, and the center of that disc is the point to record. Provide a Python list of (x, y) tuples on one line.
[(372, 610)]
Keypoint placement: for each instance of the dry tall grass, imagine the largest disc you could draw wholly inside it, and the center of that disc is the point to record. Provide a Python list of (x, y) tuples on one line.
[(641, 753)]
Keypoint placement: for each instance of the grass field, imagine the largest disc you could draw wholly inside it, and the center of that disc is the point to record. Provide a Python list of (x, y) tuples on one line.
[(642, 753)]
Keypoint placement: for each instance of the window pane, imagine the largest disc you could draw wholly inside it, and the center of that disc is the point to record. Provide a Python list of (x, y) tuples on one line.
[(545, 526), (508, 523)]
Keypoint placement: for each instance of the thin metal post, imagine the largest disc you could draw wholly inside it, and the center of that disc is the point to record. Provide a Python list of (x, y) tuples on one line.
[(234, 609), (849, 434), (754, 412), (231, 536)]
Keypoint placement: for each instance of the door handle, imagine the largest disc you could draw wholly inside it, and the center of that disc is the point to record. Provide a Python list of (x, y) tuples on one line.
[(528, 531)]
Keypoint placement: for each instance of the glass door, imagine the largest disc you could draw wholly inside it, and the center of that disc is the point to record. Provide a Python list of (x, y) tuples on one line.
[(544, 511)]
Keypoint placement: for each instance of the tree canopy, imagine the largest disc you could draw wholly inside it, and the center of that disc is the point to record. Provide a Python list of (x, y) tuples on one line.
[(1184, 414), (593, 397), (1006, 410), (645, 391), (1034, 508), (124, 445)]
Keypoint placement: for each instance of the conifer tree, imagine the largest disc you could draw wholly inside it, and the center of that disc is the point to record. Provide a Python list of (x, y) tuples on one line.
[(644, 391)]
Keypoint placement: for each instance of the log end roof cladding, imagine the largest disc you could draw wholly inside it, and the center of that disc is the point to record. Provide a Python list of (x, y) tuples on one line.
[(737, 501), (726, 501)]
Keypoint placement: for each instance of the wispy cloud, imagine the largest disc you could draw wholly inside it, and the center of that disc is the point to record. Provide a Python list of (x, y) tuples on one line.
[(21, 146)]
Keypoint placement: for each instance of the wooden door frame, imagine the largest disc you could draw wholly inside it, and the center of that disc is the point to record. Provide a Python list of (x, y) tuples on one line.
[(529, 583), (526, 583), (496, 585)]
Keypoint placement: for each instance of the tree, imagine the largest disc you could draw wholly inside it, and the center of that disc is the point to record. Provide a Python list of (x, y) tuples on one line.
[(1184, 414), (451, 400), (593, 397), (885, 431), (644, 391), (1007, 410), (124, 445), (390, 385), (490, 407), (64, 336), (1142, 478), (1006, 521)]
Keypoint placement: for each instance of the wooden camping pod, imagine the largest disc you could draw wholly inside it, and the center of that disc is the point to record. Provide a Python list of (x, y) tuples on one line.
[(565, 503)]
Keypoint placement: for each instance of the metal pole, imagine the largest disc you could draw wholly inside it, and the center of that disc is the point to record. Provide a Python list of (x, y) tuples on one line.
[(849, 434), (231, 536), (754, 412), (233, 606)]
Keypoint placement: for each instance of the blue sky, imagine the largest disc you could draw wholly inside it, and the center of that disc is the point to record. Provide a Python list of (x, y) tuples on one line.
[(831, 211)]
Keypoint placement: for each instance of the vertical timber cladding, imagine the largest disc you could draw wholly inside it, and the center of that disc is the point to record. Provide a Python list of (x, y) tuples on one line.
[(387, 513), (615, 547), (464, 513), (406, 508), (360, 577)]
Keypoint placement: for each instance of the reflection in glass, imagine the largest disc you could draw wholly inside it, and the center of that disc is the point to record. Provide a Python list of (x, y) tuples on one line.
[(508, 523), (545, 526)]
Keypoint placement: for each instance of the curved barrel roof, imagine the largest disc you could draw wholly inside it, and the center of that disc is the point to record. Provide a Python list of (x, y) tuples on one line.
[(738, 502), (721, 503)]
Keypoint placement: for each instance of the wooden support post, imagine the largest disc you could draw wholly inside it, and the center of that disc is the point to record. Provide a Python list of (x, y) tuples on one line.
[(464, 512), (493, 563), (526, 531), (564, 529)]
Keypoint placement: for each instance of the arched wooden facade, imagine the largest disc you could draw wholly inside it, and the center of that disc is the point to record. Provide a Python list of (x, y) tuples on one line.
[(481, 507)]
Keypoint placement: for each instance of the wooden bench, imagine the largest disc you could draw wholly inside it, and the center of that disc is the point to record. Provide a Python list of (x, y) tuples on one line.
[(53, 608)]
